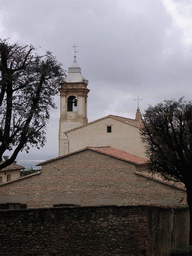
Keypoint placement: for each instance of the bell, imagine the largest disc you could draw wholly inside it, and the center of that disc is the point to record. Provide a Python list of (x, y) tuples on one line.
[(75, 102)]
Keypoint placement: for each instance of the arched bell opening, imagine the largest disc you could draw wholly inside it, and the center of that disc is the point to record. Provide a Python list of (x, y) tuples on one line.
[(72, 103)]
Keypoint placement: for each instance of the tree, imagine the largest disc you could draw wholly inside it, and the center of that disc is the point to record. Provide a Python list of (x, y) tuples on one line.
[(28, 83), (167, 133), (28, 172)]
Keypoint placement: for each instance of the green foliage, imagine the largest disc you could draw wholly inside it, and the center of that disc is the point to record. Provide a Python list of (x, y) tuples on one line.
[(28, 85), (28, 172), (185, 251)]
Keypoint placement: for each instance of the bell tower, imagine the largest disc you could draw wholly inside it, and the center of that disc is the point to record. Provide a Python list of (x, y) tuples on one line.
[(73, 104)]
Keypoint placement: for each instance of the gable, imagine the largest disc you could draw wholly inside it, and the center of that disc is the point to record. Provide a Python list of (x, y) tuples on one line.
[(89, 178), (122, 136), (123, 120)]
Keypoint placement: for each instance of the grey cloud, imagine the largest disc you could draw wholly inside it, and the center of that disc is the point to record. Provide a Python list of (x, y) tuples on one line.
[(129, 47)]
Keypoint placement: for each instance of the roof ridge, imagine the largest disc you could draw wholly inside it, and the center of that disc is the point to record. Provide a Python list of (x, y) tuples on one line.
[(138, 160), (108, 116)]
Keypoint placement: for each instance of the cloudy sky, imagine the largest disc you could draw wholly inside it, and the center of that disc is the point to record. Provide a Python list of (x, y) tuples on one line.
[(126, 48)]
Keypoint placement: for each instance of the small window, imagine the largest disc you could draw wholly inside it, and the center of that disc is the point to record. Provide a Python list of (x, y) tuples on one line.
[(1, 180), (109, 129), (8, 177)]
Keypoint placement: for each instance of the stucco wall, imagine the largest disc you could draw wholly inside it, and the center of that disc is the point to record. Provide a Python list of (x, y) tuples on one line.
[(14, 175), (123, 137), (90, 178), (133, 231)]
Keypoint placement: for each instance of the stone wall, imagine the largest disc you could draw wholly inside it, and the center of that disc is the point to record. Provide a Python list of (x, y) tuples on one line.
[(88, 178), (132, 231)]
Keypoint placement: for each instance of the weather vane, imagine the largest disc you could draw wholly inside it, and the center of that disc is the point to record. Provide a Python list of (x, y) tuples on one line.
[(74, 46), (138, 101)]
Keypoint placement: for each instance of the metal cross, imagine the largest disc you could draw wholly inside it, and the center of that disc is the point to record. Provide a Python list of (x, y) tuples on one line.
[(74, 46), (138, 101)]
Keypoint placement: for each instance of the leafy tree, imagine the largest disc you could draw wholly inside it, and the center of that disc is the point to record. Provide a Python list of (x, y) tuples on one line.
[(167, 132), (28, 172), (28, 83)]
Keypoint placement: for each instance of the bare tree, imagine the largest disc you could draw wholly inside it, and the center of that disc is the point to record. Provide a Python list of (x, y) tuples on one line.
[(27, 85), (167, 132)]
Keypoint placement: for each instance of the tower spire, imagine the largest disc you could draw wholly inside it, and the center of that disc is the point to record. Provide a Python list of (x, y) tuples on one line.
[(75, 46), (138, 101), (73, 104), (138, 112)]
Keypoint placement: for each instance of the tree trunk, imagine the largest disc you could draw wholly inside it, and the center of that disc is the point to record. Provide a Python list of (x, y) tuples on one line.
[(189, 201)]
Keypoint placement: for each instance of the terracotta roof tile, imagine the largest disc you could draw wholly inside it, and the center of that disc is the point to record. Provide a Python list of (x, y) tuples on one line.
[(158, 177), (121, 155), (12, 167)]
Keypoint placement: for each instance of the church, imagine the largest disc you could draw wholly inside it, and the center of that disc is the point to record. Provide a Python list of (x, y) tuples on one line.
[(100, 163), (76, 133), (97, 197)]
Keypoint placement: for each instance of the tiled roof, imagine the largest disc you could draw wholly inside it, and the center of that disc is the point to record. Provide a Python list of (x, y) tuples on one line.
[(121, 155), (159, 178), (20, 178), (125, 120), (12, 167)]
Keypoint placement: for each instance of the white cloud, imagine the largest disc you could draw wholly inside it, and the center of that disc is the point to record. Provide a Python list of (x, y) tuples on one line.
[(181, 12)]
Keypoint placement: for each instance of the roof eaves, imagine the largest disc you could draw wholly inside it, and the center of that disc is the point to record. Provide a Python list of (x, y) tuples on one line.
[(117, 157), (94, 150), (116, 118), (159, 181), (60, 157), (90, 123), (21, 178)]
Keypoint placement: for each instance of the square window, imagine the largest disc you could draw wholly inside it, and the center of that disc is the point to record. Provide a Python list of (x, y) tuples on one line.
[(109, 129)]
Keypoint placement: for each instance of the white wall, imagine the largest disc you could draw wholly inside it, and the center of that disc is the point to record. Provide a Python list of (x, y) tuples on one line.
[(123, 137), (14, 175)]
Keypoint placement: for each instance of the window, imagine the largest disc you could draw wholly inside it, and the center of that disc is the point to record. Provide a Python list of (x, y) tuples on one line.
[(109, 129), (1, 180), (8, 177)]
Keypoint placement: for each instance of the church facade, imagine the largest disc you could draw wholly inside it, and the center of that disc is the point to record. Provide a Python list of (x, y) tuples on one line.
[(76, 133)]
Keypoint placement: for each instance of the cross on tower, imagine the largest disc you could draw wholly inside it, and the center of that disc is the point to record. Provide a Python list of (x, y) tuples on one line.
[(74, 46), (138, 101)]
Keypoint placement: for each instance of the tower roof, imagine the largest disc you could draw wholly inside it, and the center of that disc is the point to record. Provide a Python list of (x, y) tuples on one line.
[(74, 73)]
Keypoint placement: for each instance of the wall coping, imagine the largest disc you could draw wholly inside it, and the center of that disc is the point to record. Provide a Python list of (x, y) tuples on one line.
[(99, 207)]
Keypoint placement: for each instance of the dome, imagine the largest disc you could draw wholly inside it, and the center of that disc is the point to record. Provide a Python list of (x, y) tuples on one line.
[(74, 73)]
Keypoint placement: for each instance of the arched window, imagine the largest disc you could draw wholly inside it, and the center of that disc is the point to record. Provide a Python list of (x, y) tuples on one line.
[(72, 103)]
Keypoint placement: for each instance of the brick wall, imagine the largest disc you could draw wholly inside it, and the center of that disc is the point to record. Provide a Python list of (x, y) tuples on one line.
[(90, 178), (132, 231)]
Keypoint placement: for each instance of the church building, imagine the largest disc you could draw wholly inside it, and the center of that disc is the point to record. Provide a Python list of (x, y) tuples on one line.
[(100, 163), (75, 133)]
